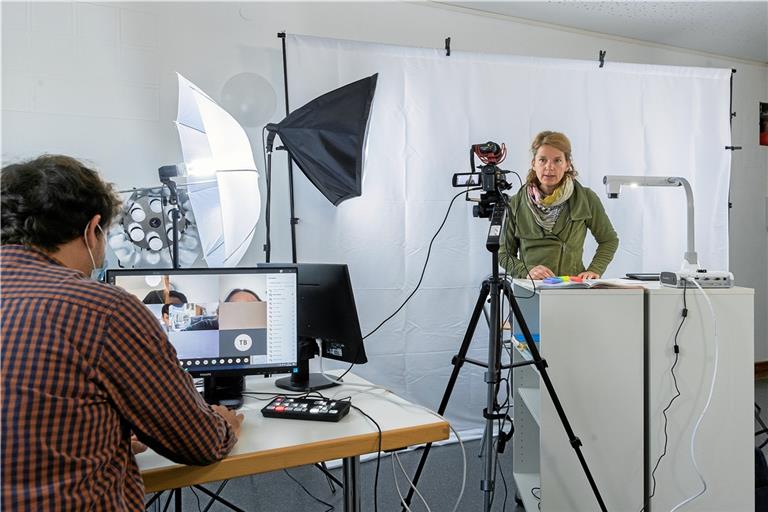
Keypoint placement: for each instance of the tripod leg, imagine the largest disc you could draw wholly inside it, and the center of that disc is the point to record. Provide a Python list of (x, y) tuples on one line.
[(458, 361), (541, 366), (492, 380)]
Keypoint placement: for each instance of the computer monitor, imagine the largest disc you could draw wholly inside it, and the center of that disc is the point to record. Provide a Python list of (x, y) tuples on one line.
[(224, 323), (326, 311)]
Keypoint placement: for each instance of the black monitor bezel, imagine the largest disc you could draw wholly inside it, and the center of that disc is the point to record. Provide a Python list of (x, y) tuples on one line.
[(267, 370)]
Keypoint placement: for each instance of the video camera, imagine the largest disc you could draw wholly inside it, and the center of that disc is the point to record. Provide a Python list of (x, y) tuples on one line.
[(490, 179)]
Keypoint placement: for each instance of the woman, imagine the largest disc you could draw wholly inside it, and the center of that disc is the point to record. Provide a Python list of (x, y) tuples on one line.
[(549, 217)]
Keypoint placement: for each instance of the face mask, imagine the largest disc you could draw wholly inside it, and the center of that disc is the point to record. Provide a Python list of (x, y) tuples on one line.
[(98, 273)]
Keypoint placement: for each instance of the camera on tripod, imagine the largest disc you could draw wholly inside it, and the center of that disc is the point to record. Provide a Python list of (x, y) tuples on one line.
[(490, 178)]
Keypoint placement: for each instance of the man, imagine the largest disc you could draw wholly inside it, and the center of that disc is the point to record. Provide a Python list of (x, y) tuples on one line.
[(84, 364)]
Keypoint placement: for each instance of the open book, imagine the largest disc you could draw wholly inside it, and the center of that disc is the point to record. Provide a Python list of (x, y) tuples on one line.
[(591, 283)]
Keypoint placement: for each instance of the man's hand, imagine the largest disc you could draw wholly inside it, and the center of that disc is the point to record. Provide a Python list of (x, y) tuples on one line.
[(235, 420), (540, 272), (589, 275), (136, 445)]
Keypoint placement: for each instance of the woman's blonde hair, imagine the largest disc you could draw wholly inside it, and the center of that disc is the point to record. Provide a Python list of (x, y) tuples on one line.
[(558, 141)]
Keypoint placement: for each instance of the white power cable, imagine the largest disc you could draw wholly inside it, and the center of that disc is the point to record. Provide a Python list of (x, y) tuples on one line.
[(706, 406), (464, 466), (366, 389), (410, 482)]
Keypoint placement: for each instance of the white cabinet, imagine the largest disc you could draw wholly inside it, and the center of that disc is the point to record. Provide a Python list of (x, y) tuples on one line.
[(725, 443), (592, 341), (609, 355)]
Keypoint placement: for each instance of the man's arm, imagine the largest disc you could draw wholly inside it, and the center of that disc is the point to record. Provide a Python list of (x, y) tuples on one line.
[(142, 375)]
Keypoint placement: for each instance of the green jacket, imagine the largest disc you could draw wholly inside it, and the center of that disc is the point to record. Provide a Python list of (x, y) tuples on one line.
[(561, 250)]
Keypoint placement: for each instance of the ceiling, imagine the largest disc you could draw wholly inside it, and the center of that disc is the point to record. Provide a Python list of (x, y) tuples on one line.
[(730, 29)]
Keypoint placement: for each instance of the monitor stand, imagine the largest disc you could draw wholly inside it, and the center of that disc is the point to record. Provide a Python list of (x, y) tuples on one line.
[(303, 381), (226, 390)]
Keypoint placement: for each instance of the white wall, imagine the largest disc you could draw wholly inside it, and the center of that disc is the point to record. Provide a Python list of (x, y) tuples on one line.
[(97, 81)]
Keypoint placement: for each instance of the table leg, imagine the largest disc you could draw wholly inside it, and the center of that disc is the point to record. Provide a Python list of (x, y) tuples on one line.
[(351, 469)]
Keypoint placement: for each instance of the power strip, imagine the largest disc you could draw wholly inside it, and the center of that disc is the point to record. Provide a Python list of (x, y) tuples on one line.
[(705, 279)]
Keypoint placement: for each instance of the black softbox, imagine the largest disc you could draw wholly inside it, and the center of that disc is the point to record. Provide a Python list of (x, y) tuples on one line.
[(326, 138)]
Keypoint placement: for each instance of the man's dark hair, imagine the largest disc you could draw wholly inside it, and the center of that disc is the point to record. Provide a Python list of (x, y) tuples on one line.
[(156, 297), (48, 201)]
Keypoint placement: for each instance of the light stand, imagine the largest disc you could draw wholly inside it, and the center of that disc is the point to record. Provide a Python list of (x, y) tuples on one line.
[(494, 287), (167, 172), (326, 138)]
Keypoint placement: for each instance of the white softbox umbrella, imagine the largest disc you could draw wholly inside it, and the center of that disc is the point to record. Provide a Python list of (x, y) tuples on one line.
[(214, 144)]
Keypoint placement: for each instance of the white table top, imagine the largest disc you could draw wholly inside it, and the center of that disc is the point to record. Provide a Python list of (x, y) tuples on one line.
[(266, 444)]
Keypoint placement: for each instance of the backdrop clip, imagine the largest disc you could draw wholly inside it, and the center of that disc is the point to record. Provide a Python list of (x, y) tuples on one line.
[(447, 46), (602, 58)]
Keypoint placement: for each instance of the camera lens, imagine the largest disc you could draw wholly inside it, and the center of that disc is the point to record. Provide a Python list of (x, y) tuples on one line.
[(155, 222)]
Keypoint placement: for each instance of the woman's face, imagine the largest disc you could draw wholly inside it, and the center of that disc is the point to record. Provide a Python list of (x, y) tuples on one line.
[(550, 165)]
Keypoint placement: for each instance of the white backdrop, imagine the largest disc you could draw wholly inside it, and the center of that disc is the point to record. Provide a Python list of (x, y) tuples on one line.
[(428, 110)]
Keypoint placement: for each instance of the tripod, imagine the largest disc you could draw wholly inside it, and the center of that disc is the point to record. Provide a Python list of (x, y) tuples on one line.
[(494, 287)]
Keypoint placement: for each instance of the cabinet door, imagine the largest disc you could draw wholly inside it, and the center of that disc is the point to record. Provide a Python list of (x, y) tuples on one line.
[(593, 343), (724, 446)]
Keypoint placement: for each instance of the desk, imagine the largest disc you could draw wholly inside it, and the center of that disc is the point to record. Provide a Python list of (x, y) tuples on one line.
[(268, 444)]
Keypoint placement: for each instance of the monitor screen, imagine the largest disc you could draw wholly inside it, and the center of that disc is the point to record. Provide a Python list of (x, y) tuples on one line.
[(222, 321)]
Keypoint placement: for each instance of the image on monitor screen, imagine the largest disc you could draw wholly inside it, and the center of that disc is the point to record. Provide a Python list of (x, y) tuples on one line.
[(222, 322)]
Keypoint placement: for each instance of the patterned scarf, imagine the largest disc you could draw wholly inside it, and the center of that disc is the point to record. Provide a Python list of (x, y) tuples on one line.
[(546, 209)]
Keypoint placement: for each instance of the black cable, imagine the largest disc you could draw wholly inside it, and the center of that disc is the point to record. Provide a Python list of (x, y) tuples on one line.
[(423, 270), (271, 396), (378, 460), (264, 145), (513, 218), (684, 315), (506, 491), (537, 497), (330, 507), (268, 184), (199, 508)]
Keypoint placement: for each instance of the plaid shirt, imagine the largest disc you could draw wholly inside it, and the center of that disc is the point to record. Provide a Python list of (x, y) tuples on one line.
[(84, 365)]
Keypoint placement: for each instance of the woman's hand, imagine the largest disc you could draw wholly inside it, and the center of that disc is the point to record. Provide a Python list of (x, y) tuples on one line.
[(589, 275), (540, 272)]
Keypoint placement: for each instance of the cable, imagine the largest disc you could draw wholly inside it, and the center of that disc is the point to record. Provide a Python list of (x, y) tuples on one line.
[(199, 509), (421, 278), (397, 486), (706, 406), (410, 482), (538, 498), (401, 403), (330, 507), (378, 459), (513, 218), (684, 316)]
